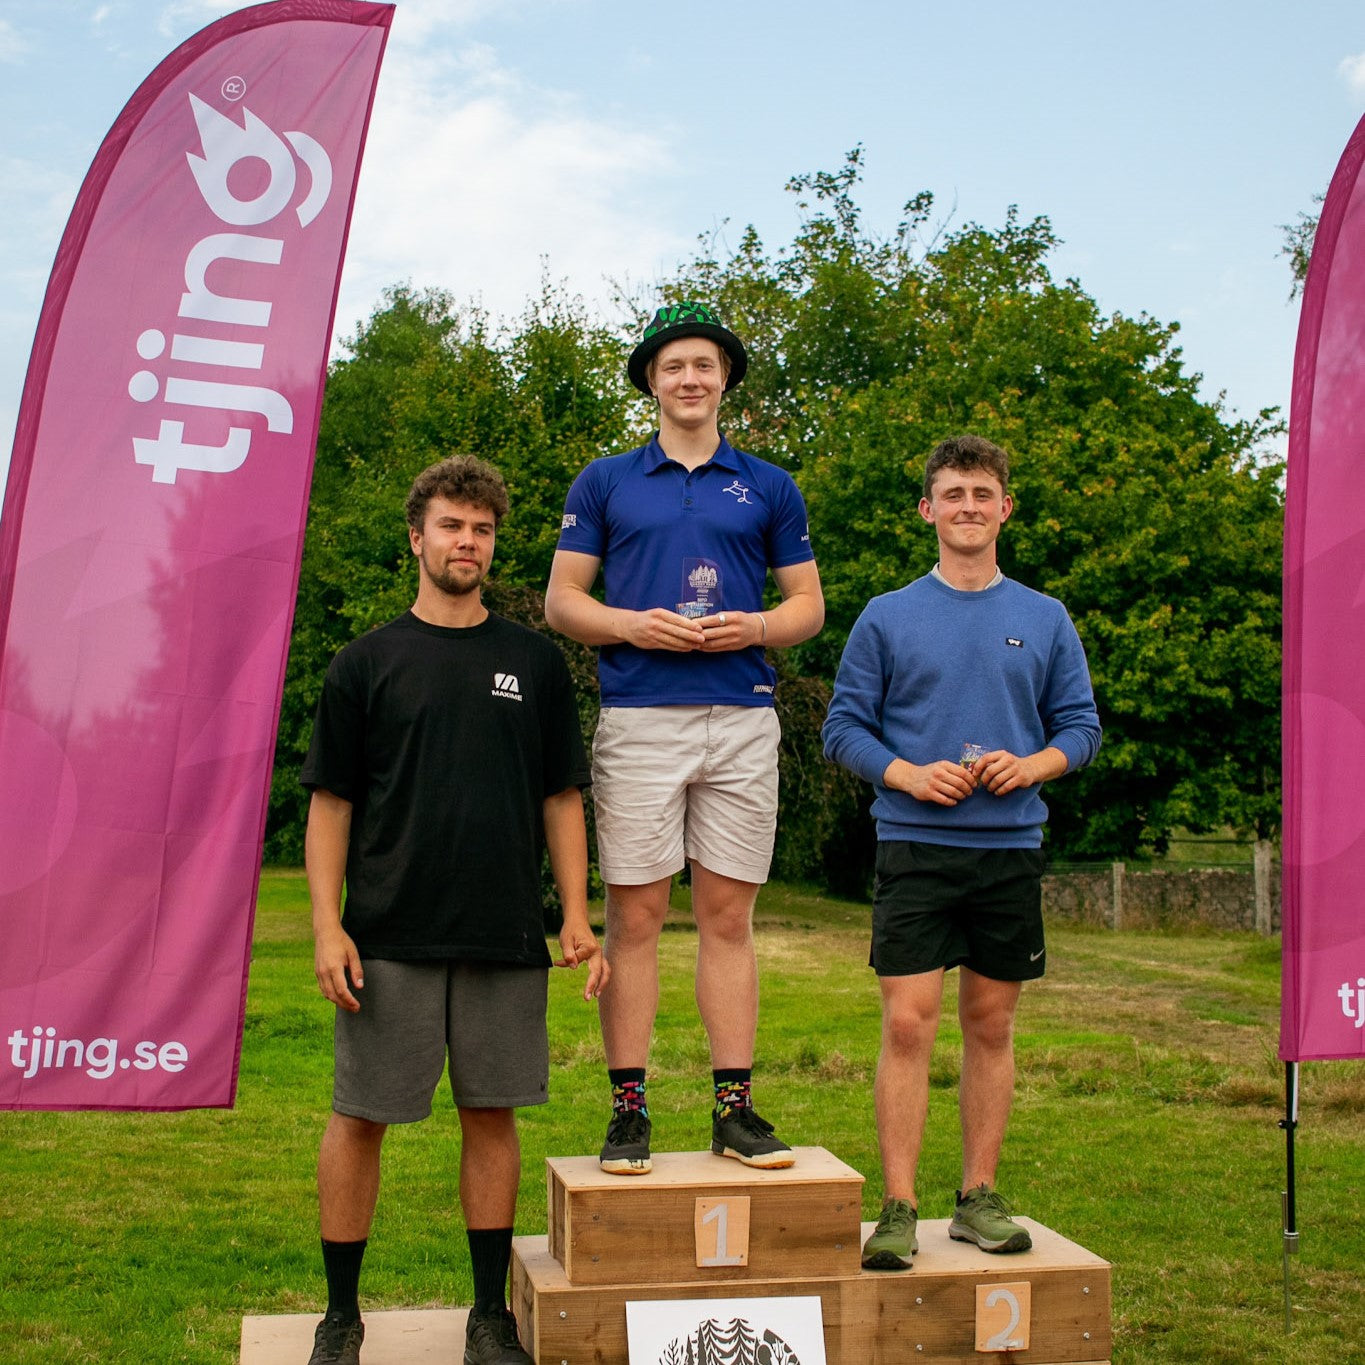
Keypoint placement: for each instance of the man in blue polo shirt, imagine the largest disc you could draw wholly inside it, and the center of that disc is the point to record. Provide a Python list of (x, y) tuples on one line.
[(685, 530)]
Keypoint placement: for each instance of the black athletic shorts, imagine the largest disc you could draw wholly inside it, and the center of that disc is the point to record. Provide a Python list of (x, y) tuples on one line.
[(937, 906)]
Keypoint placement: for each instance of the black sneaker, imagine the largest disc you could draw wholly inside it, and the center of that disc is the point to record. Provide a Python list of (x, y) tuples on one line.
[(491, 1339), (740, 1133), (626, 1150), (337, 1341)]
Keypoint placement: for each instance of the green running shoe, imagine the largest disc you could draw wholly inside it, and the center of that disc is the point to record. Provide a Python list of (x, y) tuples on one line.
[(983, 1217), (894, 1242)]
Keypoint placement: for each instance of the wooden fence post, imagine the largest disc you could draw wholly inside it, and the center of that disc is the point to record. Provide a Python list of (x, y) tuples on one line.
[(1116, 900), (1260, 864)]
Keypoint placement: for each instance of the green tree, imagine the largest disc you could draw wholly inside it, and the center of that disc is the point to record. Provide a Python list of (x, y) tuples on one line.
[(419, 381), (1152, 513), (1299, 237)]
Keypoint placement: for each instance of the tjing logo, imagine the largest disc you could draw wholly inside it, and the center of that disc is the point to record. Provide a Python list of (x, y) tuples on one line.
[(225, 144), (99, 1058), (1353, 1001)]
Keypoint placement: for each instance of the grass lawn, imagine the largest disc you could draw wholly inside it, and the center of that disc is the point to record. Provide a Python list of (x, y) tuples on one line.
[(1144, 1128)]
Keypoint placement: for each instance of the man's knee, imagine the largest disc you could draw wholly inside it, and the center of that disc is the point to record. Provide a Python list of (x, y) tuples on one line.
[(986, 1012), (909, 1026), (635, 914), (352, 1131), (992, 1030), (723, 907), (486, 1123)]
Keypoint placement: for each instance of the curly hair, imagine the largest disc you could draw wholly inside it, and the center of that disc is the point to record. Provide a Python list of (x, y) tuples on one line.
[(964, 453), (459, 478)]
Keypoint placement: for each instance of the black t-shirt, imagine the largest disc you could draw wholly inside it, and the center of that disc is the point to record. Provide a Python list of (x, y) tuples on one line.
[(446, 742)]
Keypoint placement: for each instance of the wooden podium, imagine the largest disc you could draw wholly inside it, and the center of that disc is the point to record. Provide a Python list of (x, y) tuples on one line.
[(700, 1226)]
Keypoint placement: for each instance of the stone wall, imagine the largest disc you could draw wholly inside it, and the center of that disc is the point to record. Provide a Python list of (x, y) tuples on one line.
[(1133, 897)]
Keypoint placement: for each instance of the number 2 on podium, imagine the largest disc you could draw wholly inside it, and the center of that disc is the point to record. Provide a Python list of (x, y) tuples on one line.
[(1003, 1313)]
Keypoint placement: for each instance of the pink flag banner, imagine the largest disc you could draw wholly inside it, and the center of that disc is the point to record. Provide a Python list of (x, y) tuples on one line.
[(1323, 977), (149, 555)]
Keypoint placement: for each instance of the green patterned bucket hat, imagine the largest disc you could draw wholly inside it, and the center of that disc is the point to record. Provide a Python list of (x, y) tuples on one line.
[(677, 320)]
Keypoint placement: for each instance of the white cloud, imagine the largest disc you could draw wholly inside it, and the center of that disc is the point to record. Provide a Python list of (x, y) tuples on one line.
[(182, 17), (1353, 69), (473, 182), (418, 22), (12, 45)]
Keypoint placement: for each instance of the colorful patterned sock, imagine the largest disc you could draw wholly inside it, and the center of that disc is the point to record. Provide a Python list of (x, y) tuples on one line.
[(628, 1089), (732, 1089)]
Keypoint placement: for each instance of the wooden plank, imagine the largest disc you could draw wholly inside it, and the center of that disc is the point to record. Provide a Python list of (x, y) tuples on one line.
[(579, 1173), (407, 1336), (803, 1220)]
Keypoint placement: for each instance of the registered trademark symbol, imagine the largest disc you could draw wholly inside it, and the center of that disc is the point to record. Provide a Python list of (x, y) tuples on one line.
[(234, 88)]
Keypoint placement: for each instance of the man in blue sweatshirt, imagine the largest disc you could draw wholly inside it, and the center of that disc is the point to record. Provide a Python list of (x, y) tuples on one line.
[(957, 697)]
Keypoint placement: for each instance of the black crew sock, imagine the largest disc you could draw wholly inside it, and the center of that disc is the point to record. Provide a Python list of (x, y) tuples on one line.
[(628, 1089), (341, 1262), (490, 1255)]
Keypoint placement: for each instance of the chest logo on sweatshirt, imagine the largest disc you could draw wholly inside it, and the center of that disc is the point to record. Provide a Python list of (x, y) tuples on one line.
[(507, 685), (1014, 642)]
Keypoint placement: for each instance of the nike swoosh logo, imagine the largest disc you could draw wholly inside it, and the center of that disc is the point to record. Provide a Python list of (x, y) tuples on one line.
[(1033, 957)]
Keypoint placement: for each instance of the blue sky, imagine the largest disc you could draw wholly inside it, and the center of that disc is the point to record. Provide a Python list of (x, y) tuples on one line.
[(595, 141)]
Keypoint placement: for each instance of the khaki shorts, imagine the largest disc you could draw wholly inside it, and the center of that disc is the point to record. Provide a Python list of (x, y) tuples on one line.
[(677, 783), (489, 1017)]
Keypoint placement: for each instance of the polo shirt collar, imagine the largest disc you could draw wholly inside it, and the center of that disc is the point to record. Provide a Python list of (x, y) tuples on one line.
[(724, 458)]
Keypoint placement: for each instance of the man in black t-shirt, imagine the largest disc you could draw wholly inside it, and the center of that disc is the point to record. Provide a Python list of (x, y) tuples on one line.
[(446, 756)]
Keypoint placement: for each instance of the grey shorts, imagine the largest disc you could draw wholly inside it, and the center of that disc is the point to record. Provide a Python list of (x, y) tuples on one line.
[(678, 783), (488, 1016)]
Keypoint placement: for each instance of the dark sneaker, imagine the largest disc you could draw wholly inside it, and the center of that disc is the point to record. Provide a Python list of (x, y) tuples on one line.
[(491, 1339), (337, 1341), (748, 1138), (983, 1217), (626, 1150), (894, 1242)]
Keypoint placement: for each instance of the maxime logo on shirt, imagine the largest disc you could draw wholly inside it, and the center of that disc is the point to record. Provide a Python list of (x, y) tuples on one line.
[(763, 687), (507, 685)]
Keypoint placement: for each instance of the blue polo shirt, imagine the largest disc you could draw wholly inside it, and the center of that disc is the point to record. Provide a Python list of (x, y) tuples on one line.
[(655, 526)]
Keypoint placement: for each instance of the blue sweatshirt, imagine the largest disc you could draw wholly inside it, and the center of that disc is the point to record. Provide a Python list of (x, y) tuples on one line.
[(928, 668)]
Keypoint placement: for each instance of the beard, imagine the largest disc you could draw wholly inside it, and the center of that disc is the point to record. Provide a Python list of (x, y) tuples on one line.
[(456, 582)]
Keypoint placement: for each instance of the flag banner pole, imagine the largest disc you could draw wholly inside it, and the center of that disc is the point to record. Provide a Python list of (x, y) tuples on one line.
[(1290, 1238), (149, 554)]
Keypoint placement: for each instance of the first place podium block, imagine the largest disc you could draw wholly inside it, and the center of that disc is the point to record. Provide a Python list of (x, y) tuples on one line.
[(802, 1220), (705, 1227)]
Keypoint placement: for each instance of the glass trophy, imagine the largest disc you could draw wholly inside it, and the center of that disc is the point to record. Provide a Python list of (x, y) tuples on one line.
[(700, 588)]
